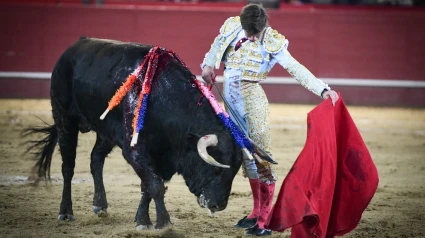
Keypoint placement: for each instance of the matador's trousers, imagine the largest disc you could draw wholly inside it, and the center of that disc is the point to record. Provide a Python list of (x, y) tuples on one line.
[(249, 108)]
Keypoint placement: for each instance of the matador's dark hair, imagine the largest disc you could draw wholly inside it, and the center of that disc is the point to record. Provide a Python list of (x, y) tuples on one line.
[(253, 18)]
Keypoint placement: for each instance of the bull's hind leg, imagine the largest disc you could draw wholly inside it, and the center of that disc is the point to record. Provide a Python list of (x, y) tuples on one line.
[(100, 150), (68, 137), (152, 188)]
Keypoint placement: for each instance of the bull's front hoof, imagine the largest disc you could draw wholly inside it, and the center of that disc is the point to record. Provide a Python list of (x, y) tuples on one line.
[(63, 217), (100, 212), (144, 227)]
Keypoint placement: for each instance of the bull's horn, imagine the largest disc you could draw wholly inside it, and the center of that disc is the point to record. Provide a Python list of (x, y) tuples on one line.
[(203, 143)]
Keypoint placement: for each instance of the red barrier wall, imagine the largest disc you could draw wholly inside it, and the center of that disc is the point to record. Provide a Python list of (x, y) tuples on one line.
[(332, 42)]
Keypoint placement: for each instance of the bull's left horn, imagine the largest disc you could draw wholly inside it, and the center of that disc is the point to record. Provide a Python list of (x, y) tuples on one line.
[(203, 143)]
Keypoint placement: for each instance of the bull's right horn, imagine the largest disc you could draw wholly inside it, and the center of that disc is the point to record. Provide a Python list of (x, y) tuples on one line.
[(203, 143)]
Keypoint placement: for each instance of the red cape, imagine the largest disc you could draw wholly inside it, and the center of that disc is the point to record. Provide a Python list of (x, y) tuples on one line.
[(331, 182)]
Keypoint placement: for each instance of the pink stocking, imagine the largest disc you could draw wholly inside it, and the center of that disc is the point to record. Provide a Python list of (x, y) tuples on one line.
[(255, 188), (266, 201)]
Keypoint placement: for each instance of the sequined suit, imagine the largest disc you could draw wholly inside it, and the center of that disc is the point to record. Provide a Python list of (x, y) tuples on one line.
[(244, 69)]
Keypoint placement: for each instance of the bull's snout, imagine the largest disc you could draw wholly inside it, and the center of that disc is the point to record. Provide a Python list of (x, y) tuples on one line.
[(216, 208), (212, 205)]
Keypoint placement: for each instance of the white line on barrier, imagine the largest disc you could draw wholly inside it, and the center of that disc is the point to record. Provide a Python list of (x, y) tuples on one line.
[(270, 80), (26, 75)]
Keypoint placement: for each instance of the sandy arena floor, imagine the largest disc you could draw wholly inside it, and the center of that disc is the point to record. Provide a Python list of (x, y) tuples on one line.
[(395, 138)]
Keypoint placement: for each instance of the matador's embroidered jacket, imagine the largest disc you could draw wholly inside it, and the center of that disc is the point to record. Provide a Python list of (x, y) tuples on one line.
[(254, 60)]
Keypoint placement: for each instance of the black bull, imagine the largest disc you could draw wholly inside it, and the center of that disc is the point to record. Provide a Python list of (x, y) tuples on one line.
[(85, 78)]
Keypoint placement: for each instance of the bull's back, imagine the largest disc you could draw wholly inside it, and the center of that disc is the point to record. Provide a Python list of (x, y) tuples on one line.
[(88, 74)]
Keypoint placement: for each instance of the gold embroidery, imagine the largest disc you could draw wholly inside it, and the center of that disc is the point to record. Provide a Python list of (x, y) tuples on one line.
[(257, 115), (253, 76), (236, 62), (252, 66), (255, 56), (254, 46), (229, 30), (230, 26), (273, 41)]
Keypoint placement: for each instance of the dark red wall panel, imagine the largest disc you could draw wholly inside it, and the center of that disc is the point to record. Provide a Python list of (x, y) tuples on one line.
[(331, 42)]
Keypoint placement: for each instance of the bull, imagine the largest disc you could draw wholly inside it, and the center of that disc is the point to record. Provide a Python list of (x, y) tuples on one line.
[(85, 78)]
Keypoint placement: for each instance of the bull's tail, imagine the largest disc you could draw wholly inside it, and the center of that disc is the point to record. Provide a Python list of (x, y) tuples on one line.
[(42, 149)]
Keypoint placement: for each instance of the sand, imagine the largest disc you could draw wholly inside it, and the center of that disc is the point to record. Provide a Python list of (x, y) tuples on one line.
[(394, 136)]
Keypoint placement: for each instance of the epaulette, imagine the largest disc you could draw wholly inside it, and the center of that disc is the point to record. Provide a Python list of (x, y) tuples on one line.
[(273, 41), (231, 25)]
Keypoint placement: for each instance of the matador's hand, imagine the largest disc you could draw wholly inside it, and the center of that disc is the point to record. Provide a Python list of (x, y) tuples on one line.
[(208, 74), (332, 94)]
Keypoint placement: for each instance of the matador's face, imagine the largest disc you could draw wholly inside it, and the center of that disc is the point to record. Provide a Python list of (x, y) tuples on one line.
[(252, 37)]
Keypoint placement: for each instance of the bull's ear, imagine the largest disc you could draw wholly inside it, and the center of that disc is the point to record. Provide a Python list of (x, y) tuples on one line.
[(192, 140)]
